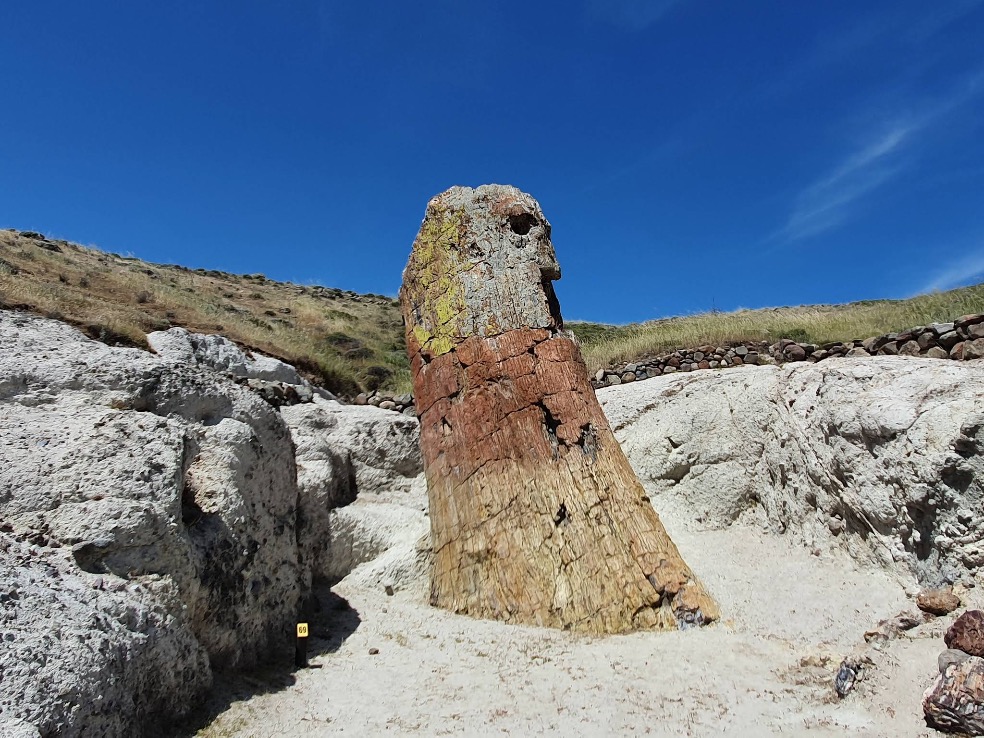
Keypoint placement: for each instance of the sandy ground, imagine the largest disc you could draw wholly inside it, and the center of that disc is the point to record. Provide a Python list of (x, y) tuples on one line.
[(789, 616)]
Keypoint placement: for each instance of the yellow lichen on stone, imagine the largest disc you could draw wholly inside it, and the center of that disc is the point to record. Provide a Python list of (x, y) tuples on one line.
[(437, 261)]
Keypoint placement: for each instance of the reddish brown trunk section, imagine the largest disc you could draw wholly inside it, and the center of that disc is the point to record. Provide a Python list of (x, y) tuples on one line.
[(536, 514)]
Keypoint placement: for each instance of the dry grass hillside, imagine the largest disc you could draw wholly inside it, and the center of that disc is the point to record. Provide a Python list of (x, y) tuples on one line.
[(342, 340), (608, 345), (349, 342)]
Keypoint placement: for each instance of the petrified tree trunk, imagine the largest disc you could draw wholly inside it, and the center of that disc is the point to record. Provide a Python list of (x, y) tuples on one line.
[(536, 515)]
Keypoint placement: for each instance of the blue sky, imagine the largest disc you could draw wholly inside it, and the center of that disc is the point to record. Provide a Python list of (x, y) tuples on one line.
[(690, 155)]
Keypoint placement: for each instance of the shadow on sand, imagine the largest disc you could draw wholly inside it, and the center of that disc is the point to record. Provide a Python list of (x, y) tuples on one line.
[(331, 620)]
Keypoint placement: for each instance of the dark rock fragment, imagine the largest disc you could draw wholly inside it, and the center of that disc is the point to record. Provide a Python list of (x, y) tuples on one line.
[(967, 633)]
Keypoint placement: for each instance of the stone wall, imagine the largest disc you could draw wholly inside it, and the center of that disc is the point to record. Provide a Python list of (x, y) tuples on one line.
[(961, 339), (401, 403)]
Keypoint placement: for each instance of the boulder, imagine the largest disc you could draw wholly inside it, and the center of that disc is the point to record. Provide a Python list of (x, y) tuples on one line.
[(950, 657), (955, 702), (938, 601), (794, 352), (178, 345), (795, 446), (172, 488), (949, 339), (910, 348), (967, 633), (973, 349)]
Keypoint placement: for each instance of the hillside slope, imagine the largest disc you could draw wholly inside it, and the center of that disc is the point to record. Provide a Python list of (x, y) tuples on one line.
[(349, 342), (342, 340)]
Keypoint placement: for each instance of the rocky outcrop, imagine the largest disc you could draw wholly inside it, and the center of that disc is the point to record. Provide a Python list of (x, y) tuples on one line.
[(536, 516), (138, 472), (154, 527), (349, 451), (275, 381), (83, 654), (180, 346), (961, 339), (883, 454)]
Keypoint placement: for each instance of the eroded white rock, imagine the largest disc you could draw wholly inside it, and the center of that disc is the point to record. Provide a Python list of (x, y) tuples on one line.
[(143, 472), (165, 496), (81, 653), (361, 455), (884, 454), (180, 346)]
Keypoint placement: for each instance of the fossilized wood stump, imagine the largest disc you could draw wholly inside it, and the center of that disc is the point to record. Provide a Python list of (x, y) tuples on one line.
[(536, 515)]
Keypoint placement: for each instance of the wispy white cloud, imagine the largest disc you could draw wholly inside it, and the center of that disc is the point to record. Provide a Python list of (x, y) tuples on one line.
[(834, 197), (827, 202), (629, 15), (940, 16), (897, 27), (963, 269)]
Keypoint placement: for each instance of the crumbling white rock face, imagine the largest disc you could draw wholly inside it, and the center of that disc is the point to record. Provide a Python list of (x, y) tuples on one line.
[(368, 457), (139, 472), (342, 452), (382, 446), (154, 523), (180, 346), (376, 545), (106, 648), (883, 453)]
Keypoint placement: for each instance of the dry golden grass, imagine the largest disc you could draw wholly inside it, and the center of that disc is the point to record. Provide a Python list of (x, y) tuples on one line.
[(343, 340), (605, 346), (349, 342)]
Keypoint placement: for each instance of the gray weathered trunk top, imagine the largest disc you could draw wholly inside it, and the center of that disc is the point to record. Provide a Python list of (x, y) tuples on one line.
[(481, 265)]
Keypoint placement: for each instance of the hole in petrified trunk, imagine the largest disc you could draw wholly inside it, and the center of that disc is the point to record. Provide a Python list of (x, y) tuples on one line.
[(550, 425), (522, 223), (588, 441), (562, 515)]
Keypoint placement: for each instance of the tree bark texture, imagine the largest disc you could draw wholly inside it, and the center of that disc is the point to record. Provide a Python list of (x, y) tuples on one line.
[(536, 515)]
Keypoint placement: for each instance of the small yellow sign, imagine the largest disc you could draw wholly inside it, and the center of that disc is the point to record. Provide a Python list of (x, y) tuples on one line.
[(302, 630)]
